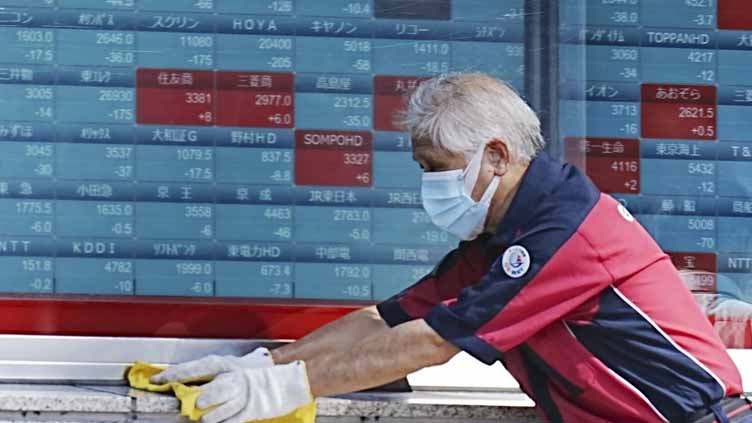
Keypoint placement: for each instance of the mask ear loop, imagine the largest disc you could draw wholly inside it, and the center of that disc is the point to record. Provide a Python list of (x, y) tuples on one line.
[(491, 190), (484, 202), (470, 175)]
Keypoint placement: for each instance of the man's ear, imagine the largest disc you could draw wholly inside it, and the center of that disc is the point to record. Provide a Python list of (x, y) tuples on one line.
[(498, 155)]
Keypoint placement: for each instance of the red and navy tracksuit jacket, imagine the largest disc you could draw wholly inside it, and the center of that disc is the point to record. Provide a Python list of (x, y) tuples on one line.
[(600, 328)]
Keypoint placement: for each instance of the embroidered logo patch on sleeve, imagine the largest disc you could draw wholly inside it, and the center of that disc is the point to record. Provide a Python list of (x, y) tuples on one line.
[(625, 213), (515, 261)]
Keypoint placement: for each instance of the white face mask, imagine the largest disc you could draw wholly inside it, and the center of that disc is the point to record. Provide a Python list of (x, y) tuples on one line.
[(447, 199)]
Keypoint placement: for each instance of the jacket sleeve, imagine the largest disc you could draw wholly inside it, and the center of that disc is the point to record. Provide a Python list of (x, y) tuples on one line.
[(508, 306), (461, 267)]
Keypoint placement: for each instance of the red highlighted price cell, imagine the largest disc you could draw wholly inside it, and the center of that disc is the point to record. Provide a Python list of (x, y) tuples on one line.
[(175, 97), (703, 267), (613, 164), (679, 111), (735, 14), (336, 158), (390, 94), (264, 100)]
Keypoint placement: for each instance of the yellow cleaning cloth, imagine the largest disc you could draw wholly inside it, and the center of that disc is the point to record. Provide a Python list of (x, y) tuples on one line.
[(140, 372)]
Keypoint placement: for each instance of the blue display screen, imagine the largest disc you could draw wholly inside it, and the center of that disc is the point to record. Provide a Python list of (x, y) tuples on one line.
[(662, 118), (227, 148)]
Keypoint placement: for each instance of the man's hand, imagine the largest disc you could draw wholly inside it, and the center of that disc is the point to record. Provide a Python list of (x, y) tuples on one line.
[(242, 394), (213, 365)]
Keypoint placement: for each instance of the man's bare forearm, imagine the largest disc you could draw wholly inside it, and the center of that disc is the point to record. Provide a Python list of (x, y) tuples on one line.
[(380, 358), (338, 335)]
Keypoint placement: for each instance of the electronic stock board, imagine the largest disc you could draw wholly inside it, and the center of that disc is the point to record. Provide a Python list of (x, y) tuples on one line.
[(225, 148)]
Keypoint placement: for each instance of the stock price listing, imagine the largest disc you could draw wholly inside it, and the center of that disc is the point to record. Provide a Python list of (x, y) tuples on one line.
[(661, 118), (226, 148)]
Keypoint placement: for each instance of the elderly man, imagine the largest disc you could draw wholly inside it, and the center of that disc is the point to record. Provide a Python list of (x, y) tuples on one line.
[(554, 279)]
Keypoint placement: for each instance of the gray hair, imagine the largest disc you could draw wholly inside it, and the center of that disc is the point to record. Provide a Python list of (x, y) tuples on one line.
[(461, 112)]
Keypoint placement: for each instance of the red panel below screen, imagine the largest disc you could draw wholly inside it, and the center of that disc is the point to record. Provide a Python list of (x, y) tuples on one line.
[(151, 317)]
